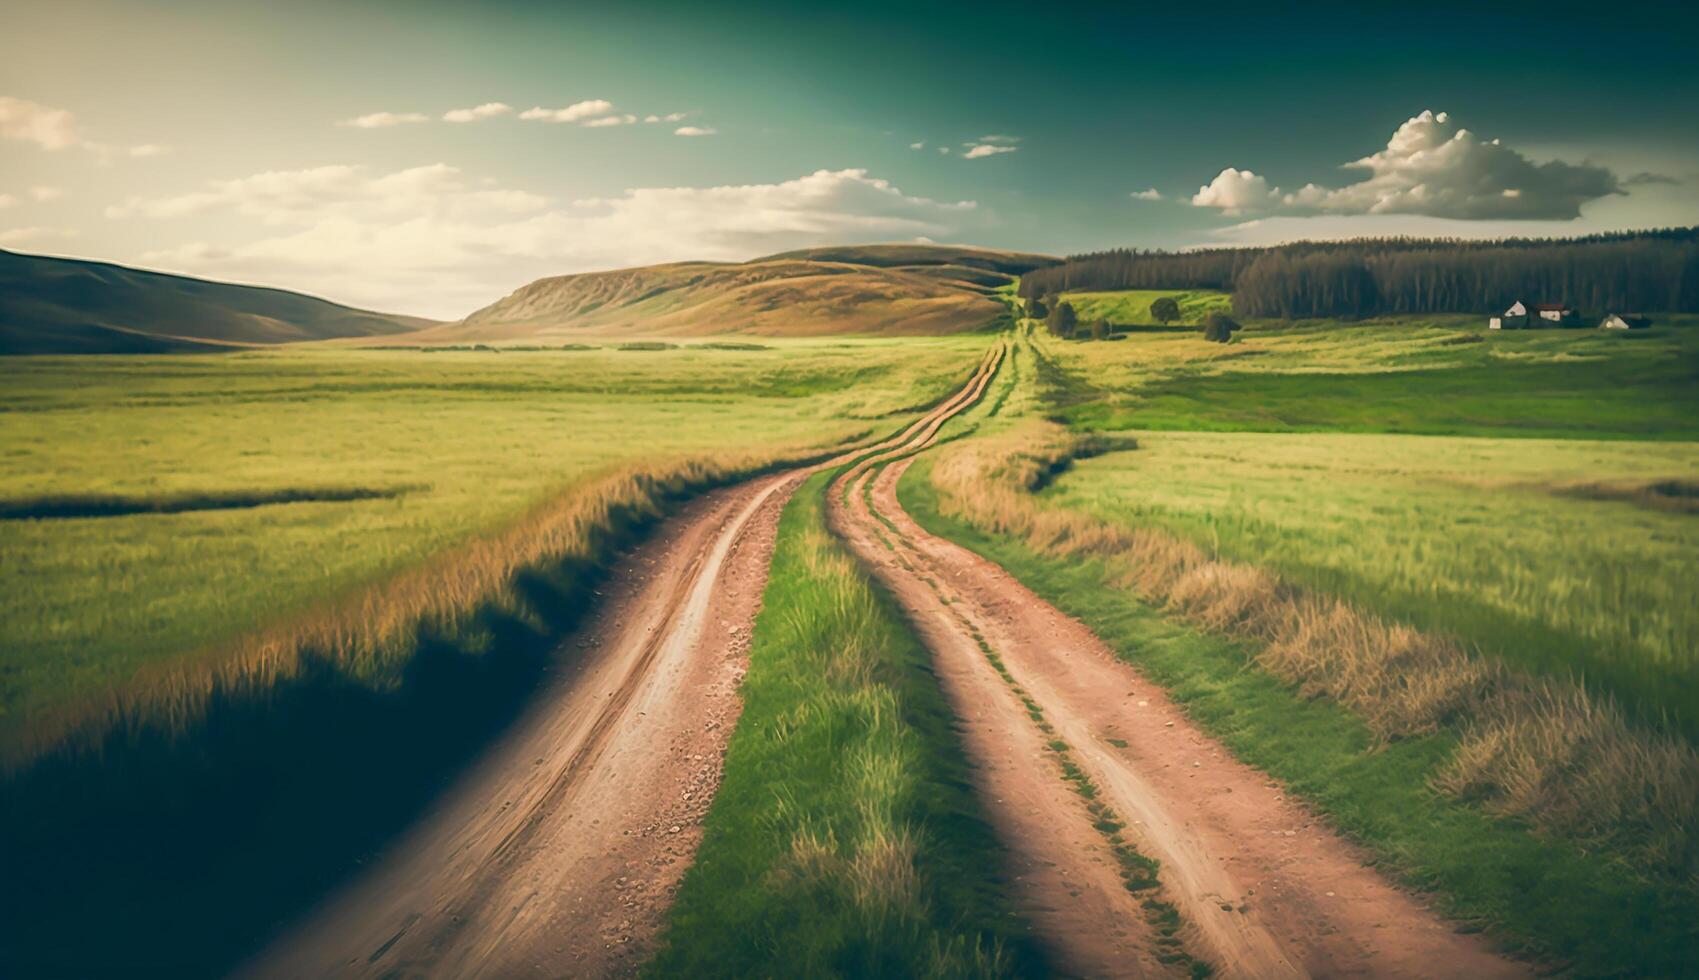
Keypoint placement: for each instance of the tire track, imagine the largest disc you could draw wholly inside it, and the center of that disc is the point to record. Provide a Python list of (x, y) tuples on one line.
[(558, 851), (1262, 887)]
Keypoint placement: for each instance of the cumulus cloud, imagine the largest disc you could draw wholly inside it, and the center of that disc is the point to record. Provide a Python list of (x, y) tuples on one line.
[(998, 138), (576, 112), (428, 239), (624, 120), (8, 200), (1237, 191), (1430, 167), (42, 192), (694, 131), (918, 146), (976, 151), (670, 117), (32, 122), (1150, 194), (489, 110), (383, 120)]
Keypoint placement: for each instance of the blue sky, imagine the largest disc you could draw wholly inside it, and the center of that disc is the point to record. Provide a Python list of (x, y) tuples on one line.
[(219, 139)]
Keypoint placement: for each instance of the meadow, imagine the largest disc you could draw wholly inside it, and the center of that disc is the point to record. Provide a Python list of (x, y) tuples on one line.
[(1552, 555), (1394, 625), (1553, 530), (1132, 306), (156, 511)]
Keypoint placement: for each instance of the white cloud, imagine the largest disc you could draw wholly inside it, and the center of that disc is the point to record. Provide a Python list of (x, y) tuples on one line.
[(572, 113), (918, 146), (383, 120), (624, 120), (42, 192), (977, 150), (289, 197), (429, 240), (1150, 194), (34, 235), (1430, 167), (489, 110), (56, 129), (944, 150), (997, 138), (694, 131), (50, 129), (1237, 191), (670, 117), (7, 200)]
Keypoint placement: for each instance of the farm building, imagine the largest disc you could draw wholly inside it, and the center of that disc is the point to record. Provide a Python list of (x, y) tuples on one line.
[(1520, 316), (1623, 321)]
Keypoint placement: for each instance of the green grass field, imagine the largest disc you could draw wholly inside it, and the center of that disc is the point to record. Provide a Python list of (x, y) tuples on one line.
[(1516, 545), (1215, 559), (1132, 306), (380, 462), (845, 839), (1546, 896), (1558, 535)]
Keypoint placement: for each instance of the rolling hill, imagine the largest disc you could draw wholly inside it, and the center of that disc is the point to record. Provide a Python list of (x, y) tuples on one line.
[(869, 289), (72, 306)]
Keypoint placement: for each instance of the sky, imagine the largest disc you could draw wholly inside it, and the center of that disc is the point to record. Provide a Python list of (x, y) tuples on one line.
[(428, 157)]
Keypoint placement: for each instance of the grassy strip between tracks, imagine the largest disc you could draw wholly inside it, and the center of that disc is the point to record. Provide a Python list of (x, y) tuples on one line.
[(845, 839), (1543, 896)]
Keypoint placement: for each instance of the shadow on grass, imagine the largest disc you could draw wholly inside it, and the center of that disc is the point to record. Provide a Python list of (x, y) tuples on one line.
[(118, 505)]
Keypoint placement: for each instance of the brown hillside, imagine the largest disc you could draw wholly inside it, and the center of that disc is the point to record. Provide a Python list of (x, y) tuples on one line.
[(909, 289)]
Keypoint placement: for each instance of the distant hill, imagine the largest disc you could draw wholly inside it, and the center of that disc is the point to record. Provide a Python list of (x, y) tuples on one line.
[(877, 289), (72, 306)]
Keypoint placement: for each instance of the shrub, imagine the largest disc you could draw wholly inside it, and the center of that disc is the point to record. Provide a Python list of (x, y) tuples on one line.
[(1219, 327)]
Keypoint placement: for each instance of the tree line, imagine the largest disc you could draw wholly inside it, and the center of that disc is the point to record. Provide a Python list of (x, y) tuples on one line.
[(1626, 271)]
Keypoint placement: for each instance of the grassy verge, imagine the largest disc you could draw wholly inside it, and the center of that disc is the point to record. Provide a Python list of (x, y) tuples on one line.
[(215, 807), (1559, 557), (845, 839), (1546, 896), (157, 512)]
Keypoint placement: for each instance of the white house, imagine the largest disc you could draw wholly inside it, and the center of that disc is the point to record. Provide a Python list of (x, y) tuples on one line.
[(1618, 321), (1522, 315), (1514, 318)]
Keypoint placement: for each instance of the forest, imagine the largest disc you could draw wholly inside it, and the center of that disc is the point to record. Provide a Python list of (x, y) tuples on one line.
[(1649, 271)]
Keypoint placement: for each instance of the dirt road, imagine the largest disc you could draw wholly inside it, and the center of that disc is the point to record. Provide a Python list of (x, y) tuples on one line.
[(1262, 887), (558, 851)]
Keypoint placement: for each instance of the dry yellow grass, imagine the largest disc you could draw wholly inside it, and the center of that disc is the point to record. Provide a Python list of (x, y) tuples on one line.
[(370, 634), (1542, 750)]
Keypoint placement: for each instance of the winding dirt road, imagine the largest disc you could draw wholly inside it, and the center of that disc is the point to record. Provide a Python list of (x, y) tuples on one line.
[(557, 852), (1263, 888)]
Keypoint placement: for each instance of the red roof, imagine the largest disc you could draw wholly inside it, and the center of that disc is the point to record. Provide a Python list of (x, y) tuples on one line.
[(1551, 307)]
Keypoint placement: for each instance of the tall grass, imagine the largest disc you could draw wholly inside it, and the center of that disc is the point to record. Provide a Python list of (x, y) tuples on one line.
[(1556, 556), (1540, 750), (197, 808), (844, 839), (1576, 910), (481, 443)]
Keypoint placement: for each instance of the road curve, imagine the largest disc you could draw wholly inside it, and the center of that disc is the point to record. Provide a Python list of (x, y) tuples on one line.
[(558, 851), (1264, 889)]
